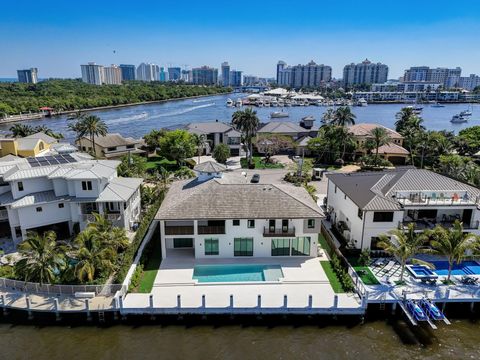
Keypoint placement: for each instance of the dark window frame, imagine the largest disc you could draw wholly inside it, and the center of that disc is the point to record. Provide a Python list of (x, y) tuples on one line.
[(210, 246), (383, 216)]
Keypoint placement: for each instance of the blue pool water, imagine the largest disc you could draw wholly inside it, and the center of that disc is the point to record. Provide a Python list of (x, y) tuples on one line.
[(237, 273), (465, 268), (420, 271)]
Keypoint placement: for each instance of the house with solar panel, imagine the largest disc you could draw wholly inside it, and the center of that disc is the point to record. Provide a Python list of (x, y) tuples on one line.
[(362, 206), (62, 192)]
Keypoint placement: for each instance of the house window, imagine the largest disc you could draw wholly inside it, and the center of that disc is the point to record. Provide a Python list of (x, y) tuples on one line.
[(86, 185), (211, 246), (383, 216), (250, 224), (130, 146), (183, 243), (41, 146), (236, 222), (243, 247), (280, 247), (301, 246), (39, 209), (20, 186), (61, 205), (360, 213), (311, 223), (111, 148)]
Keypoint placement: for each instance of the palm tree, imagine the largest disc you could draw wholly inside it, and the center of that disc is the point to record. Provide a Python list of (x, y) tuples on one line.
[(247, 122), (344, 117), (344, 138), (200, 141), (42, 258), (90, 125), (379, 138), (164, 177), (21, 130), (452, 243), (404, 246), (91, 255), (328, 116), (48, 131), (406, 114)]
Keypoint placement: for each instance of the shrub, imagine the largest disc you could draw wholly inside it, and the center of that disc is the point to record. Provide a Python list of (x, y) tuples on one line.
[(365, 257), (184, 173)]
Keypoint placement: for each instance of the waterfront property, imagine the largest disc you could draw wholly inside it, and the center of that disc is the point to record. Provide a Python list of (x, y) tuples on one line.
[(393, 151), (32, 145), (216, 133), (364, 205), (62, 192), (112, 146)]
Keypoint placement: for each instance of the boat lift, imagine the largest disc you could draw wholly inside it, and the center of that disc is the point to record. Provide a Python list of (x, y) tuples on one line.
[(422, 311)]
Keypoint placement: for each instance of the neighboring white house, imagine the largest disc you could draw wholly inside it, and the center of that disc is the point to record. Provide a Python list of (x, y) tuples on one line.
[(215, 133), (211, 219), (112, 146), (55, 192), (366, 205)]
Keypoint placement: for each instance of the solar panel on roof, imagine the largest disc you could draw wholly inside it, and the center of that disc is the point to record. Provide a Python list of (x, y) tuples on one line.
[(31, 160)]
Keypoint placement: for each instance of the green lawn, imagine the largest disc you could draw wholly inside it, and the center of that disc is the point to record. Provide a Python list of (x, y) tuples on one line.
[(260, 164), (332, 277), (150, 269), (323, 243), (364, 272), (156, 161)]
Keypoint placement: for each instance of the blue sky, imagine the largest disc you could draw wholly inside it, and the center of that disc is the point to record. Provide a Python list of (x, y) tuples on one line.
[(58, 36)]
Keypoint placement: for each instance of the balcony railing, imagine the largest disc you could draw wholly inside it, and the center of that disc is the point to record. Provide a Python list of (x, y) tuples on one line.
[(3, 214), (443, 199), (179, 230), (284, 231), (109, 217), (211, 229), (428, 225)]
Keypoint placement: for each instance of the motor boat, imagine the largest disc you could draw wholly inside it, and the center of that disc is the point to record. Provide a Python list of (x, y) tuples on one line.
[(229, 102), (437, 105), (278, 114), (238, 103), (458, 119), (466, 113), (362, 102)]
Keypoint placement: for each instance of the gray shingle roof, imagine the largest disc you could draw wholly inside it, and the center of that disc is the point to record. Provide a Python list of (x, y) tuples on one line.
[(210, 167), (42, 136), (365, 129), (212, 200), (38, 198), (114, 139), (376, 190), (281, 127), (208, 127)]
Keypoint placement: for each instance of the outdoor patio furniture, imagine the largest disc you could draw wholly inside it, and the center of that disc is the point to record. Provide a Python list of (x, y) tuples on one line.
[(468, 280)]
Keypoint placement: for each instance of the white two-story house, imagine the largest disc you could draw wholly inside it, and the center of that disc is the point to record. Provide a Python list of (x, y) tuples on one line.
[(61, 193), (363, 206), (213, 219)]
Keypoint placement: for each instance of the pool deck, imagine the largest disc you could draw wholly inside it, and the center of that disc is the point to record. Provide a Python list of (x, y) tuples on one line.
[(305, 286)]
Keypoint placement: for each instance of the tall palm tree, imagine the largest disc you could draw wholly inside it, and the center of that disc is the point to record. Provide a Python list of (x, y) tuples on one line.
[(344, 116), (379, 138), (91, 126), (452, 243), (328, 116), (42, 258), (22, 130), (404, 245), (247, 122), (200, 142)]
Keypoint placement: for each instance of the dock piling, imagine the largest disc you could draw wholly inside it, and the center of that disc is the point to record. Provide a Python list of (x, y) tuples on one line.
[(231, 301), (335, 301), (28, 301), (87, 309), (285, 301), (259, 301), (310, 301), (57, 309), (179, 301), (203, 302), (150, 298)]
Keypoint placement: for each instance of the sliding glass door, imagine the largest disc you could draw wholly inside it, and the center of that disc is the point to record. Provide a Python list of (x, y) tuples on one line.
[(280, 247), (301, 246), (243, 247)]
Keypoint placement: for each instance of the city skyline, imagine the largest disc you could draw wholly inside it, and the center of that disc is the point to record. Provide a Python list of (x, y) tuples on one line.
[(58, 38)]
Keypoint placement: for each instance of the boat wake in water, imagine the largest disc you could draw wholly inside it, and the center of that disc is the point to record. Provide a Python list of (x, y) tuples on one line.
[(182, 111), (140, 116), (201, 100)]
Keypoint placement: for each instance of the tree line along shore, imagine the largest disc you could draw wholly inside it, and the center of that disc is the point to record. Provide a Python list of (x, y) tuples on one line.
[(72, 94)]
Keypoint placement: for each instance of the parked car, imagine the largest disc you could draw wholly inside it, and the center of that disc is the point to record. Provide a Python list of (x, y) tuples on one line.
[(255, 178)]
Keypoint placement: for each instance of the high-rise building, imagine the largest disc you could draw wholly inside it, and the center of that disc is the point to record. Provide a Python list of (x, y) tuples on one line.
[(300, 76), (365, 73), (28, 76), (187, 76), (250, 80), (204, 75), (148, 72), (235, 78), (112, 75), (128, 72), (92, 73), (174, 73), (163, 74), (447, 77), (469, 82), (225, 74)]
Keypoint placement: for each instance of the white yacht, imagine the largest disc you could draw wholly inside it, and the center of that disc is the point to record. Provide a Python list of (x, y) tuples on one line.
[(229, 102), (437, 105), (362, 102), (278, 114), (466, 113), (458, 119)]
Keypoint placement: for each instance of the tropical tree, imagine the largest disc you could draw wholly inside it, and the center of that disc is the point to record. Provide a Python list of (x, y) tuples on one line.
[(152, 139), (132, 166), (48, 131), (247, 122), (379, 137), (452, 243), (343, 117), (403, 245), (200, 141), (164, 177), (328, 116), (42, 258), (177, 145), (470, 138), (90, 126), (21, 130), (271, 144), (221, 153)]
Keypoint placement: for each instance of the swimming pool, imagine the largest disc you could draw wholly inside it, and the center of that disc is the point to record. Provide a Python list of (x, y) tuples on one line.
[(465, 268), (236, 273), (421, 272)]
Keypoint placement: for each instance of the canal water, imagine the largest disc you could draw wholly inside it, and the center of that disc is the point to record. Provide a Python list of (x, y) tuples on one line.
[(140, 119), (373, 340)]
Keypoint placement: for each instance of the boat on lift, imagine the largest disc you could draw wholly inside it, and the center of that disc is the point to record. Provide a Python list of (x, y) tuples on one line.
[(431, 310), (278, 114), (458, 119), (416, 311)]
